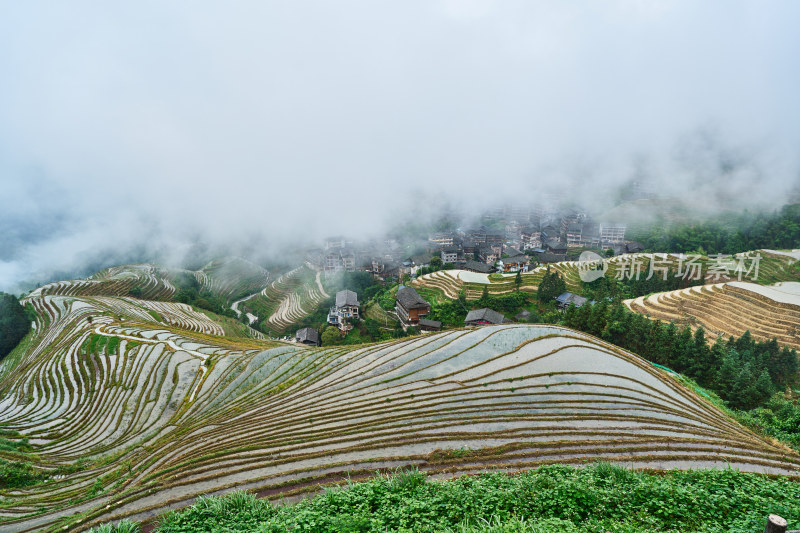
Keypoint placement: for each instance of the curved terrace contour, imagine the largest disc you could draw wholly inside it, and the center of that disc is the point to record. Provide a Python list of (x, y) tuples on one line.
[(175, 411)]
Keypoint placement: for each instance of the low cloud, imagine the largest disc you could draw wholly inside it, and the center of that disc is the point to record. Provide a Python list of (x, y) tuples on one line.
[(139, 130)]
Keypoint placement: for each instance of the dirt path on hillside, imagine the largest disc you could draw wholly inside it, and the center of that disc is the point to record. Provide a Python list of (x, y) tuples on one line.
[(235, 305)]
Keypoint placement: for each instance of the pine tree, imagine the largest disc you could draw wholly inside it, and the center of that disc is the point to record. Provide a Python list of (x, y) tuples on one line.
[(682, 353), (551, 287), (727, 373), (763, 388), (786, 367)]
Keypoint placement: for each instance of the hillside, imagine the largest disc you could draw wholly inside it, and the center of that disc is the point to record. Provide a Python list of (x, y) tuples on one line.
[(287, 299), (146, 406), (226, 278), (773, 267), (732, 308)]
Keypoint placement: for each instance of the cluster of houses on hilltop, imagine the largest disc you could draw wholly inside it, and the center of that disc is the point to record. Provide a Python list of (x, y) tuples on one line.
[(512, 248), (412, 311), (383, 259), (511, 239)]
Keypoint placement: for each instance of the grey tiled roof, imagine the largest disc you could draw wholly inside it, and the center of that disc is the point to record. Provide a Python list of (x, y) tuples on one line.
[(346, 297), (308, 335), (410, 299), (546, 257), (478, 267), (486, 314), (568, 298)]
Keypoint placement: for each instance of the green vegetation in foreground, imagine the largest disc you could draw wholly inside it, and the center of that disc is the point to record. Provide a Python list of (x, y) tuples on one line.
[(553, 499)]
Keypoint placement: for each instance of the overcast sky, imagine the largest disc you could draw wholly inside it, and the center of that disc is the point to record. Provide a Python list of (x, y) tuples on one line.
[(158, 121)]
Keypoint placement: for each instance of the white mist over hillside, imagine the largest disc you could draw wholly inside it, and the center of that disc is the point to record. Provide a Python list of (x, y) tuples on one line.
[(138, 129)]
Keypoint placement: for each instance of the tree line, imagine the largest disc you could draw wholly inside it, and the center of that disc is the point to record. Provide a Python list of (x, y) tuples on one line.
[(728, 233), (15, 322)]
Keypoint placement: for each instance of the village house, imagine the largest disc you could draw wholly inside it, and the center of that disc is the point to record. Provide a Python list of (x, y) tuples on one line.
[(574, 234), (612, 233), (377, 264), (410, 306), (583, 234), (549, 232), (478, 235), (391, 269), (496, 238), (441, 239), (531, 238), (429, 325), (477, 266), (574, 217), (546, 258), (421, 260), (469, 247), (556, 247), (406, 268), (484, 317), (450, 255), (566, 299), (488, 255), (308, 336), (339, 260), (514, 263), (345, 309)]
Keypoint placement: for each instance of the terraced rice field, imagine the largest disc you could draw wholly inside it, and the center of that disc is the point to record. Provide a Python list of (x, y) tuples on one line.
[(232, 277), (288, 299), (451, 282), (151, 279), (773, 267), (229, 278), (168, 414), (731, 309)]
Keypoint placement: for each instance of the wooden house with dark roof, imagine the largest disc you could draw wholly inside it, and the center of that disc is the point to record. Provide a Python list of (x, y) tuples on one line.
[(410, 306), (477, 266), (429, 325), (513, 264), (308, 336), (556, 247), (484, 317)]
